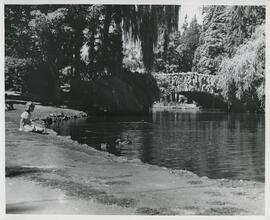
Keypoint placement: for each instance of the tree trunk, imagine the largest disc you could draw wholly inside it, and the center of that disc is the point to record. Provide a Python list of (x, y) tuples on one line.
[(77, 53), (166, 41), (105, 33), (56, 81), (76, 57)]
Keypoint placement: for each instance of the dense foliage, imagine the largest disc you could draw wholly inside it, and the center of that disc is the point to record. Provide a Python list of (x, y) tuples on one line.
[(232, 44), (58, 35), (242, 77), (16, 71), (177, 54), (73, 43), (224, 29)]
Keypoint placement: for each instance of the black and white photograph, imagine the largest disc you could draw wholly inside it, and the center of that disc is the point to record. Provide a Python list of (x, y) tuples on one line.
[(134, 109)]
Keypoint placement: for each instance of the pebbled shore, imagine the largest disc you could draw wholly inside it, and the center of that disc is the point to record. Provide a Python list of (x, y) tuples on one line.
[(48, 174)]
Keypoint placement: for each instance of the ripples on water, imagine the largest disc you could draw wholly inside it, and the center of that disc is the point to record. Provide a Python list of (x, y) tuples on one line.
[(212, 144)]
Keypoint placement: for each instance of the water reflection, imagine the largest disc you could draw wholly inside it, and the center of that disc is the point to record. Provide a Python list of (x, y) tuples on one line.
[(213, 144)]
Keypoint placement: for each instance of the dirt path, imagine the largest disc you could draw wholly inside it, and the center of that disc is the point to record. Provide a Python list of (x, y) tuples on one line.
[(50, 174)]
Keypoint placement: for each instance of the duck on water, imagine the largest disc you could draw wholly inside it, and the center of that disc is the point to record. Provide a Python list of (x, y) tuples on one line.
[(119, 144)]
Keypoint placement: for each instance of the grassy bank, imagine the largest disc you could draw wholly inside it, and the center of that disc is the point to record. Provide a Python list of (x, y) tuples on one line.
[(52, 174)]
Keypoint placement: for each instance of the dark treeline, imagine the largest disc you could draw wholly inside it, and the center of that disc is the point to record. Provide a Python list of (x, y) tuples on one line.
[(72, 43), (86, 44)]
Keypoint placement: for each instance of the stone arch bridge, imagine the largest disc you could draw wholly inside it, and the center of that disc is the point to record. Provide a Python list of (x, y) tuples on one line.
[(201, 88)]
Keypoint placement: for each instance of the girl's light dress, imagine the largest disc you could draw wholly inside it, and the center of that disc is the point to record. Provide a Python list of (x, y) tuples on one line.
[(27, 125)]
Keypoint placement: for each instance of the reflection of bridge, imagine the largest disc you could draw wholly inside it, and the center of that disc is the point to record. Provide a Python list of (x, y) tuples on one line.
[(201, 88)]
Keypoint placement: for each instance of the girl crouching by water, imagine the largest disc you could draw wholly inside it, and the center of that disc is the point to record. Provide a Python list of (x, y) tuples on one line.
[(26, 123)]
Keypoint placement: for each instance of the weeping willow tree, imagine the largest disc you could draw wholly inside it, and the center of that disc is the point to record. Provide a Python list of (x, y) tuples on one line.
[(142, 23), (145, 22)]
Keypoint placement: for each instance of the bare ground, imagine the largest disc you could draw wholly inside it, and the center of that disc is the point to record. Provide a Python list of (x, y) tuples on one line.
[(48, 174)]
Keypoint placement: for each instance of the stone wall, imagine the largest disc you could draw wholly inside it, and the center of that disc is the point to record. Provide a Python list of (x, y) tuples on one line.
[(187, 82)]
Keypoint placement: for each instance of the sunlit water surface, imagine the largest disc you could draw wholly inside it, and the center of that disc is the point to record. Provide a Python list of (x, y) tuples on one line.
[(212, 144)]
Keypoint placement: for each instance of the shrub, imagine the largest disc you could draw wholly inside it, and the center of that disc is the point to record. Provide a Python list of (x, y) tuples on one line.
[(16, 71)]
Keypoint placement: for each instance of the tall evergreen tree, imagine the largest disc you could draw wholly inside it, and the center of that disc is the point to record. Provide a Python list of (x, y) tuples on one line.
[(180, 52), (242, 23), (211, 47), (185, 23), (188, 44)]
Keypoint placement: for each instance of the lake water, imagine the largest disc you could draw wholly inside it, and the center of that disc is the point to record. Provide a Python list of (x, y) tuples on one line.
[(212, 144)]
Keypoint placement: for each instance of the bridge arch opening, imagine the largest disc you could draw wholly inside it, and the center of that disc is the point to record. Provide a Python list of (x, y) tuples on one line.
[(202, 99)]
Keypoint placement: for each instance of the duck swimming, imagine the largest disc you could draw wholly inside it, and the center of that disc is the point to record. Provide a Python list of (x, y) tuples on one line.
[(121, 143)]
